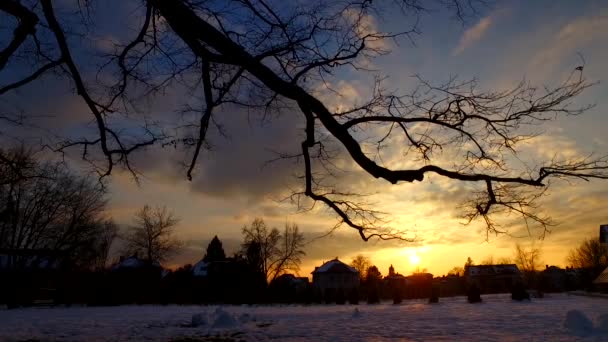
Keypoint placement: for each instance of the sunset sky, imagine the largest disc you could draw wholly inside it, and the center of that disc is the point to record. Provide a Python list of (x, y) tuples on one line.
[(507, 41)]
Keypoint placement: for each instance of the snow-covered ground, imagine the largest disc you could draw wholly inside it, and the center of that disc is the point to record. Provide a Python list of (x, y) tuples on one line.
[(496, 319)]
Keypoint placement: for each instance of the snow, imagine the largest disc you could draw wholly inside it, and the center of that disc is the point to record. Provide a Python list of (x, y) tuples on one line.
[(578, 323), (199, 319), (602, 323), (557, 317), (200, 269), (335, 262)]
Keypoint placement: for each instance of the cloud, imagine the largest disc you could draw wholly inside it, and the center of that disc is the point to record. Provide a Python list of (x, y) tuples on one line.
[(238, 166), (473, 34), (578, 35), (365, 25)]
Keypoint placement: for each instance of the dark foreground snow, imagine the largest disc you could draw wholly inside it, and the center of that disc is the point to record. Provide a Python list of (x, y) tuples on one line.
[(496, 319)]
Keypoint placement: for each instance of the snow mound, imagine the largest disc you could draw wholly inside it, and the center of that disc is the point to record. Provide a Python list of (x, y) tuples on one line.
[(602, 323), (199, 319), (224, 320), (356, 313), (245, 318), (578, 323)]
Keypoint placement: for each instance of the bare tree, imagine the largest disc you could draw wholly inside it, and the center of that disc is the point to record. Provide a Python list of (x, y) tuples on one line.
[(290, 251), (270, 57), (361, 264), (271, 252), (591, 254), (260, 245), (47, 209), (151, 235), (108, 233), (528, 259), (489, 260), (457, 271)]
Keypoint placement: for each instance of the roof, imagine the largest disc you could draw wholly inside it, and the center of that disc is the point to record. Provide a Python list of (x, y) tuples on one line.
[(133, 262), (200, 269), (477, 270), (335, 266), (602, 278)]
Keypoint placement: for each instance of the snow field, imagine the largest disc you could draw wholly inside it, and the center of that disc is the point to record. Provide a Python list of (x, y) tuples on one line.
[(558, 317)]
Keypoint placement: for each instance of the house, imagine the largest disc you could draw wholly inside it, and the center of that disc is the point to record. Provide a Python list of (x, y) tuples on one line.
[(287, 288), (335, 275), (30, 259), (419, 285), (493, 278), (450, 285), (133, 263), (553, 279), (601, 282), (200, 269)]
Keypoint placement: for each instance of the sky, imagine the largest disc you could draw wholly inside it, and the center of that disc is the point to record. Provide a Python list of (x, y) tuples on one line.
[(504, 43)]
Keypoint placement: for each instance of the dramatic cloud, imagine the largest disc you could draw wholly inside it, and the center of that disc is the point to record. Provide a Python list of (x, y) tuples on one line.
[(473, 34), (234, 183)]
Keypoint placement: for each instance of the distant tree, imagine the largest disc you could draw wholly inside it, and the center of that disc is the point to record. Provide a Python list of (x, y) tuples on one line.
[(108, 233), (373, 274), (290, 252), (469, 262), (151, 236), (361, 264), (489, 260), (46, 208), (254, 257), (260, 244), (457, 271), (504, 261), (373, 278), (271, 252), (527, 259), (589, 254), (215, 251), (420, 270)]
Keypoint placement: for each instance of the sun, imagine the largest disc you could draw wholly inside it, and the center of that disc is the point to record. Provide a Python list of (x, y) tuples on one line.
[(414, 259)]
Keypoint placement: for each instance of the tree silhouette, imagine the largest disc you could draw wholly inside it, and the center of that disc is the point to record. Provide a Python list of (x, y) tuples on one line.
[(591, 254), (272, 57), (215, 251), (151, 235), (271, 252), (361, 264), (47, 210)]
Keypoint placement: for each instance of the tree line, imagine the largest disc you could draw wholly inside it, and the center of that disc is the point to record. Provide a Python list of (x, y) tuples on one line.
[(56, 234), (52, 218)]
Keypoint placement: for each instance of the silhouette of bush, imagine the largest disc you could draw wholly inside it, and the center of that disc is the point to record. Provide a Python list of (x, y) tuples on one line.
[(519, 292), (474, 294), (372, 296), (353, 297), (434, 298), (397, 297)]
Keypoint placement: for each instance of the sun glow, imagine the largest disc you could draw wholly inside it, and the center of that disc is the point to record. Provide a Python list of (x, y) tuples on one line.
[(414, 260)]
